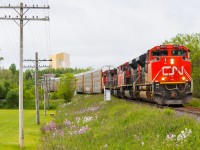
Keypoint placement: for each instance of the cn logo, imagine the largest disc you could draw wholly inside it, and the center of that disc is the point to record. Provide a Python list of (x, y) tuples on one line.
[(165, 70)]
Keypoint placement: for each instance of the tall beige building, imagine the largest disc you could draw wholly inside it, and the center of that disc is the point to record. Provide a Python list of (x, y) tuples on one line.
[(60, 60)]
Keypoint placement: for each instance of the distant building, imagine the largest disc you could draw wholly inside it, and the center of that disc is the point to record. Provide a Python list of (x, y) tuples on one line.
[(60, 60)]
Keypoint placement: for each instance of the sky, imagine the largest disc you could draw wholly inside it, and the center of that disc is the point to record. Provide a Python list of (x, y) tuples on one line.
[(96, 32)]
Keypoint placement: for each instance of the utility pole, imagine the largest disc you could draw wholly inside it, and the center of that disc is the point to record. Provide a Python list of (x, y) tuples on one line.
[(22, 10), (46, 84), (36, 61), (45, 93)]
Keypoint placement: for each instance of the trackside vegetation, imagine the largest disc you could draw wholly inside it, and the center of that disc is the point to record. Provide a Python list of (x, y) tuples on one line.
[(89, 122)]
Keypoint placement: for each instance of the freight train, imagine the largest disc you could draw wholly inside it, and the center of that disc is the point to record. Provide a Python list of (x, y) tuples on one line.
[(162, 75)]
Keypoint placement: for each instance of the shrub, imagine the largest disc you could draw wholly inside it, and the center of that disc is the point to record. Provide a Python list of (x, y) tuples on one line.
[(67, 87), (12, 98), (3, 91)]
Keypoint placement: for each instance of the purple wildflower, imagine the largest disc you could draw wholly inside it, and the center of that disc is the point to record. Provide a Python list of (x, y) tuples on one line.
[(67, 122), (78, 119), (83, 130), (52, 126)]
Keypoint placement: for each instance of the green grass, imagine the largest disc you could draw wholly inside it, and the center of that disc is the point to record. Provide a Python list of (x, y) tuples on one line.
[(194, 103), (9, 129), (53, 104), (30, 104), (118, 124)]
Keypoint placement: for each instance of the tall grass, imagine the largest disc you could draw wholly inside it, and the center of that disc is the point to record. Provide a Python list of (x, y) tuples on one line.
[(91, 123), (194, 103)]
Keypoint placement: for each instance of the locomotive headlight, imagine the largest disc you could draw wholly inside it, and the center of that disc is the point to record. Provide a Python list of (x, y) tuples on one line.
[(163, 78), (172, 61), (183, 78)]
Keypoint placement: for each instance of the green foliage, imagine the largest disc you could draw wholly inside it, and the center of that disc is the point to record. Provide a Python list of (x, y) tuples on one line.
[(194, 103), (3, 90), (12, 68), (51, 105), (192, 41), (54, 95), (29, 94), (12, 98), (28, 74), (67, 87)]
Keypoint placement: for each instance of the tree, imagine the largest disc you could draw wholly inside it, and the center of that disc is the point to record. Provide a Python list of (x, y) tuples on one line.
[(12, 68), (28, 74), (67, 87), (12, 98), (191, 41), (3, 90)]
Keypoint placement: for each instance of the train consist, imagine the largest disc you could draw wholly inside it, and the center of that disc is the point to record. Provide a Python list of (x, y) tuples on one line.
[(162, 75)]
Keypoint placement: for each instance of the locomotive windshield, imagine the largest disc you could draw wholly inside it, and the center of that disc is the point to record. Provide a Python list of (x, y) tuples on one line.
[(178, 52), (160, 53)]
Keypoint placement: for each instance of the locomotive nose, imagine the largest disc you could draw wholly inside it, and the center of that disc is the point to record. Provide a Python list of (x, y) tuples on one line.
[(173, 94)]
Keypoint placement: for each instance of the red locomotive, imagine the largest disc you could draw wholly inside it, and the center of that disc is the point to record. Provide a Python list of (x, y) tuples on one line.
[(162, 75)]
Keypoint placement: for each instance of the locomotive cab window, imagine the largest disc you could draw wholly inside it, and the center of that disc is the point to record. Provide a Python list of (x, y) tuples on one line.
[(179, 53), (160, 53)]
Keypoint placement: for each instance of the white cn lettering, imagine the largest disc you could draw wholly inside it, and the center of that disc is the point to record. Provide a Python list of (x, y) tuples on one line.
[(174, 68)]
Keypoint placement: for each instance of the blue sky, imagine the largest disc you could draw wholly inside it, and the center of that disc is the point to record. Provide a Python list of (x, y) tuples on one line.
[(97, 32)]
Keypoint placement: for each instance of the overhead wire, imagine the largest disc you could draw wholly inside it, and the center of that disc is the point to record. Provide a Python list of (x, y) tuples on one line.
[(34, 31)]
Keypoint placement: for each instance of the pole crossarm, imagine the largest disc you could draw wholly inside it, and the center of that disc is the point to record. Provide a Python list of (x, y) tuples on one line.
[(38, 59), (44, 66), (26, 19), (25, 7)]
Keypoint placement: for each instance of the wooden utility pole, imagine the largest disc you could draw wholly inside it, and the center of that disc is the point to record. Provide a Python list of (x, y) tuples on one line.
[(36, 61), (46, 85), (36, 90), (22, 10), (45, 94)]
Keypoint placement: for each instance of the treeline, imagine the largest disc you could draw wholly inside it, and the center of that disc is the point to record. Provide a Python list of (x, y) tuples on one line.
[(59, 72), (9, 85), (191, 41)]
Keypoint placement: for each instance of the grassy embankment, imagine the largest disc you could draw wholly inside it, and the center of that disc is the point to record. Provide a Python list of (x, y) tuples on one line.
[(91, 123), (194, 103), (9, 129)]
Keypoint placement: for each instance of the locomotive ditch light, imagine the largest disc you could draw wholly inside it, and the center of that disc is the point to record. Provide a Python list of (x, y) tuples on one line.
[(163, 78), (183, 78), (172, 61)]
